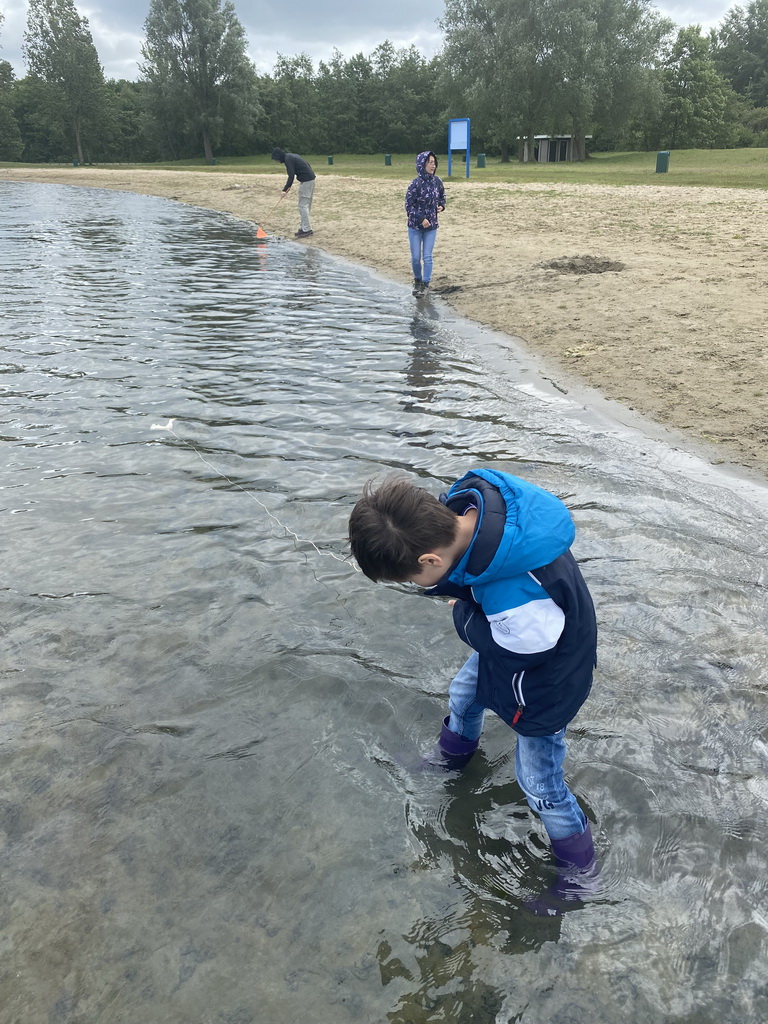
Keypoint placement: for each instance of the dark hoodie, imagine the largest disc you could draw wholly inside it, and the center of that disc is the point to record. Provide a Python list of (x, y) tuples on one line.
[(295, 165), (424, 195)]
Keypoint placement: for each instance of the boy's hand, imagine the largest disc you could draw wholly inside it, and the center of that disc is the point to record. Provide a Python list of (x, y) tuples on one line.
[(452, 602)]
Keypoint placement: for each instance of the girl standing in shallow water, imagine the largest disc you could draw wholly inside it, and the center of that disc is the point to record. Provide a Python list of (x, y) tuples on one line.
[(424, 199)]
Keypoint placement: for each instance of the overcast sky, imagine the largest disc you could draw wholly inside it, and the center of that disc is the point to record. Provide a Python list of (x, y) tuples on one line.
[(314, 27)]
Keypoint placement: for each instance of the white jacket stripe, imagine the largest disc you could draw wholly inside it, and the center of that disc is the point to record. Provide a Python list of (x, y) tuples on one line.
[(517, 686), (530, 628)]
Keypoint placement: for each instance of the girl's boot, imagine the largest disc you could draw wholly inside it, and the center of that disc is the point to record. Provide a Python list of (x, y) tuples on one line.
[(418, 284)]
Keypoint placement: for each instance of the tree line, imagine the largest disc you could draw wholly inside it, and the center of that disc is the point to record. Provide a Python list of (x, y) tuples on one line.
[(614, 74)]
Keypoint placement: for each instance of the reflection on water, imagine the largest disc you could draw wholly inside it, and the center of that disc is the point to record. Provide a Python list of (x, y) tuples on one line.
[(204, 813), (423, 371)]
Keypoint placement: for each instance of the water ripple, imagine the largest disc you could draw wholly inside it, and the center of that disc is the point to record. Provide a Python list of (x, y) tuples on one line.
[(211, 721)]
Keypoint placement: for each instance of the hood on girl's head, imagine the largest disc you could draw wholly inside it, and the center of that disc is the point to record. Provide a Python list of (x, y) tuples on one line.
[(421, 160), (278, 154)]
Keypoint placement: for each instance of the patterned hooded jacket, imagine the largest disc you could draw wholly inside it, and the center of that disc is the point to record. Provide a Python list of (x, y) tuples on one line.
[(424, 195)]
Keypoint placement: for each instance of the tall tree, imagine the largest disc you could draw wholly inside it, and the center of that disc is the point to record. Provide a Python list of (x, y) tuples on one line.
[(11, 142), (530, 64), (338, 104), (350, 98), (59, 51), (361, 84), (295, 120), (740, 51), (196, 65), (408, 108), (133, 139), (603, 50), (498, 53), (696, 97)]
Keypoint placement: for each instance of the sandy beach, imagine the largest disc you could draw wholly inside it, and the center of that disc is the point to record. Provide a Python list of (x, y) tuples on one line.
[(653, 295)]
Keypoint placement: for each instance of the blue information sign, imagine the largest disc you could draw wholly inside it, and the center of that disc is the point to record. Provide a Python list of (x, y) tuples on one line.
[(458, 138)]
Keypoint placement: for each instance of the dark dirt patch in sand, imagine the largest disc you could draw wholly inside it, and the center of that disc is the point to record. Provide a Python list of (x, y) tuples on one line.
[(582, 265)]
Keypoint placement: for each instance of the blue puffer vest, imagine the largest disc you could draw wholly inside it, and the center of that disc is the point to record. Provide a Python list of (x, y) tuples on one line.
[(520, 554)]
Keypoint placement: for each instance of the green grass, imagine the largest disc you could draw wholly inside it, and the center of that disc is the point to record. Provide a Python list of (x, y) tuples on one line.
[(730, 168)]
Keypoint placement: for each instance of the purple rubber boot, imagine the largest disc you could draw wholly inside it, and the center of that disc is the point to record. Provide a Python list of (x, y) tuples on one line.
[(577, 851), (452, 752), (577, 875)]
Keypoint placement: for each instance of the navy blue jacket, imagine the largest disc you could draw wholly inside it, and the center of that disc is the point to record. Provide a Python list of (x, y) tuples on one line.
[(522, 602)]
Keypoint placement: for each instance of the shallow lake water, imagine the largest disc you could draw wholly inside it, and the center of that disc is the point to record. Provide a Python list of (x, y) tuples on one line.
[(206, 709)]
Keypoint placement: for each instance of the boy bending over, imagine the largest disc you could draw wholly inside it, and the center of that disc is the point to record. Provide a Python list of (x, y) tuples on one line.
[(500, 547)]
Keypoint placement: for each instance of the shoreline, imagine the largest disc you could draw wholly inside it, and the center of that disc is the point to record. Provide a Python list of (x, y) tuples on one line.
[(653, 296)]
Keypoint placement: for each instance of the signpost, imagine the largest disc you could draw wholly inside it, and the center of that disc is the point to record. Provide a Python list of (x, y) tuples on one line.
[(458, 138)]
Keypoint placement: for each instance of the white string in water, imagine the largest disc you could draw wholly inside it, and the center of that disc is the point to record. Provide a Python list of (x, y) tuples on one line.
[(169, 427)]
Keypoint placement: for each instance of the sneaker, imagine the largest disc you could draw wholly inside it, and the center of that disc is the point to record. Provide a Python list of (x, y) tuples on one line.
[(304, 234)]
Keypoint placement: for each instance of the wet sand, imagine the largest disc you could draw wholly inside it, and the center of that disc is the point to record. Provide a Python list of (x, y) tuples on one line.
[(654, 295)]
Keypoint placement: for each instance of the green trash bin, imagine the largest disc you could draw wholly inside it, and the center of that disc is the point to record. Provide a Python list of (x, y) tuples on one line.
[(481, 159), (387, 159), (662, 161), (330, 160)]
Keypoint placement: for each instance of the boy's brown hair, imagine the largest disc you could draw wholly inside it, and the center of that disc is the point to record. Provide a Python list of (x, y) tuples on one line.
[(391, 526)]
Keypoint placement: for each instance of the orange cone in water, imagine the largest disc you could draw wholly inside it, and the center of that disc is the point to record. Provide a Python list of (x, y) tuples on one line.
[(261, 233)]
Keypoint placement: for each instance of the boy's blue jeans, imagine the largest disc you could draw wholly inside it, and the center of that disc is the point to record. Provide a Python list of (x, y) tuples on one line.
[(422, 242), (538, 759)]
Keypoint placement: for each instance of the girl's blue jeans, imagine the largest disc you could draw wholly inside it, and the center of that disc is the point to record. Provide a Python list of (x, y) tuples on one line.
[(422, 242), (538, 759)]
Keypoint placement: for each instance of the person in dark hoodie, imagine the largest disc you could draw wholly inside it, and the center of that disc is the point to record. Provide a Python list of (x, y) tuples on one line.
[(500, 547), (424, 199), (298, 168)]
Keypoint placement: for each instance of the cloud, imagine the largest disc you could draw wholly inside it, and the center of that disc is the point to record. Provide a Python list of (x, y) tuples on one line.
[(264, 49), (12, 35), (707, 13), (314, 27), (118, 45)]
